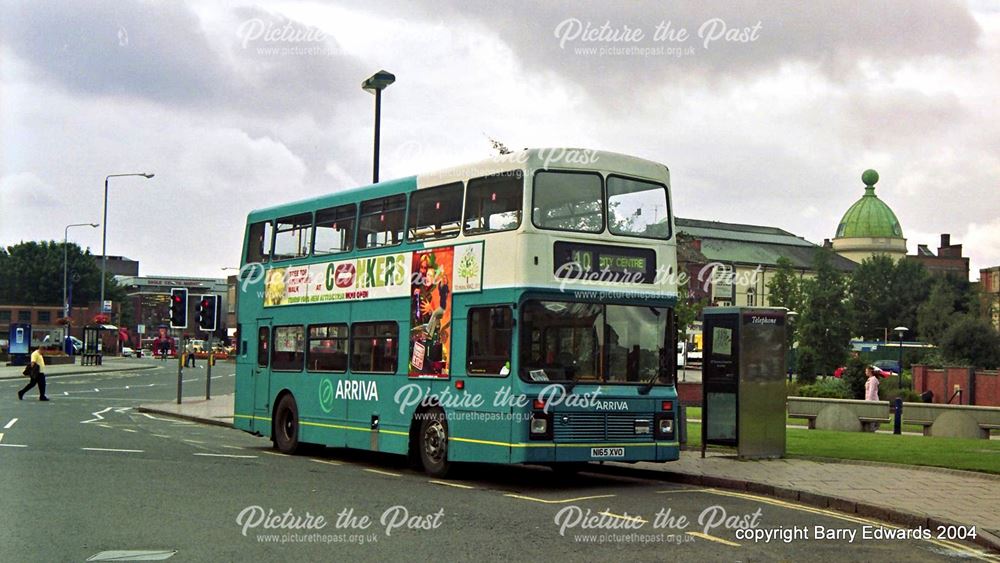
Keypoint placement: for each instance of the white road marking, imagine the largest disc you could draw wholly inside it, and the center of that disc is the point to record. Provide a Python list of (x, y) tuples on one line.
[(327, 462), (133, 555), (228, 455), (9, 424), (14, 445), (129, 430), (113, 450), (97, 415), (123, 409), (1, 437), (194, 441)]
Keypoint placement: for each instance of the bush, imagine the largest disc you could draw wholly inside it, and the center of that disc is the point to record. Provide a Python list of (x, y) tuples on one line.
[(829, 388), (933, 358), (855, 378), (808, 365), (972, 341), (792, 389)]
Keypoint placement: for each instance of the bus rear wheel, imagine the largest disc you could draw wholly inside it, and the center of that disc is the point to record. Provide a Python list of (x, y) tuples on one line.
[(286, 425), (433, 444)]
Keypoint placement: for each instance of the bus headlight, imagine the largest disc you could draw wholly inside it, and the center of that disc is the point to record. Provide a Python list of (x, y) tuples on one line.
[(665, 426), (540, 427)]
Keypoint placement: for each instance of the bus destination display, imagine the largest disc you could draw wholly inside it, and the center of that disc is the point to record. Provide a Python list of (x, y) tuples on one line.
[(600, 262)]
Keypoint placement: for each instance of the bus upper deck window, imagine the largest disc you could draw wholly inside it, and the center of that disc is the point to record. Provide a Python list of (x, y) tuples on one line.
[(334, 229), (435, 212), (293, 236), (381, 221), (638, 208), (259, 243), (493, 203)]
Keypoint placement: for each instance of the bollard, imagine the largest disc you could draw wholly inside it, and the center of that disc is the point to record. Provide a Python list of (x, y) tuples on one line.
[(897, 419)]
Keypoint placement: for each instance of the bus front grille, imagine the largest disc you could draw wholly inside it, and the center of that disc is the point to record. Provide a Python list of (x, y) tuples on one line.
[(599, 426)]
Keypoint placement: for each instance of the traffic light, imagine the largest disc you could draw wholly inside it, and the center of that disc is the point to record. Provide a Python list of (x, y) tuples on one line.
[(208, 307), (178, 308)]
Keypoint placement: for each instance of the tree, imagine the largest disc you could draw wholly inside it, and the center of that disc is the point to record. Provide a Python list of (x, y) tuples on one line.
[(936, 315), (785, 290), (911, 286), (785, 287), (885, 294), (973, 342), (824, 330), (688, 310), (31, 273), (871, 303)]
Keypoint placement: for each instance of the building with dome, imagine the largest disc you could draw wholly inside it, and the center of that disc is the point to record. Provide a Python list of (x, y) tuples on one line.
[(869, 227)]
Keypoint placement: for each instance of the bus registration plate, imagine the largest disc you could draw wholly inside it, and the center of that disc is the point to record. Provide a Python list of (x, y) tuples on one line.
[(607, 452)]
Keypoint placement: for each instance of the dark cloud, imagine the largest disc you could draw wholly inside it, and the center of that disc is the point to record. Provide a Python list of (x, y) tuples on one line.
[(160, 51), (143, 49), (833, 35)]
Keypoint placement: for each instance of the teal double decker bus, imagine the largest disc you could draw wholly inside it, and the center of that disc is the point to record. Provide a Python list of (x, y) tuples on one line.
[(516, 310)]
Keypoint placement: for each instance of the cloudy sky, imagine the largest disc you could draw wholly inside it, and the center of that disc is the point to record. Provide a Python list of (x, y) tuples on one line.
[(766, 112)]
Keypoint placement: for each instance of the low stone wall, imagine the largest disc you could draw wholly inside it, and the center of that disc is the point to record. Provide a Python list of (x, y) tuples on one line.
[(953, 421)]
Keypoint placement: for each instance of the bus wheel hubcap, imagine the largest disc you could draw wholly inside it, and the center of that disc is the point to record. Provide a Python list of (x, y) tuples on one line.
[(434, 441)]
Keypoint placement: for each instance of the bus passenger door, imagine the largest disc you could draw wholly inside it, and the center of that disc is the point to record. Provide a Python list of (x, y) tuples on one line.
[(262, 373)]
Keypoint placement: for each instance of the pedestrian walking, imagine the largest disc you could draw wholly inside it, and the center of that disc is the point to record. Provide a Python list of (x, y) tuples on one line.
[(871, 385), (37, 375)]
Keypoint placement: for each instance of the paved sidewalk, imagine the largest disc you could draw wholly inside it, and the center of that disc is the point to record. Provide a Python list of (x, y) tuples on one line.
[(110, 365), (907, 496)]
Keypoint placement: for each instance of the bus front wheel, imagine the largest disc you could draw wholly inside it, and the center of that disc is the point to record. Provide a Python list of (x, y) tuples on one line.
[(286, 425), (433, 444)]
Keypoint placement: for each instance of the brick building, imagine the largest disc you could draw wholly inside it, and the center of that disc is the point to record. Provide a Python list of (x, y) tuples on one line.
[(948, 260)]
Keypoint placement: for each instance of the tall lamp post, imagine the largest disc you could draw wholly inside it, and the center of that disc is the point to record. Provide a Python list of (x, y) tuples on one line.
[(375, 84), (104, 234), (900, 330), (66, 258)]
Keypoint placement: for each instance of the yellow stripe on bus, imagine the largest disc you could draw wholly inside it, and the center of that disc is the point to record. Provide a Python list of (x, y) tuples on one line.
[(480, 442)]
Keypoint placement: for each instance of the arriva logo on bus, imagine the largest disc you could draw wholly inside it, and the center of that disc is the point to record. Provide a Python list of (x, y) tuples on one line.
[(353, 390)]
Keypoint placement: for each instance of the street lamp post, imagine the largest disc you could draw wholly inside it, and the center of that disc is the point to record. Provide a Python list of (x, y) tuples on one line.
[(66, 258), (900, 330), (104, 233), (375, 84)]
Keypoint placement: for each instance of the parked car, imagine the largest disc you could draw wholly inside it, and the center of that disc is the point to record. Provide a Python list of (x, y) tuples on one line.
[(887, 365), (129, 353)]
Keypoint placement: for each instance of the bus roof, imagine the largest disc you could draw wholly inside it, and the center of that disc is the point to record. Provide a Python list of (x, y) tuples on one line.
[(527, 159)]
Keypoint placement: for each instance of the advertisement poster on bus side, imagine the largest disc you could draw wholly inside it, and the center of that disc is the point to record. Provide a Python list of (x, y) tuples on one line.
[(375, 277), (430, 312)]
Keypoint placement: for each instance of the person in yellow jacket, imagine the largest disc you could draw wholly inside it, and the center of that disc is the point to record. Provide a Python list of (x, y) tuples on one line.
[(37, 376)]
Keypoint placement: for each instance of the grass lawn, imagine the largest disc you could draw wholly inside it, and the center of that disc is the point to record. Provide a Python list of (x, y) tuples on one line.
[(953, 453), (695, 412)]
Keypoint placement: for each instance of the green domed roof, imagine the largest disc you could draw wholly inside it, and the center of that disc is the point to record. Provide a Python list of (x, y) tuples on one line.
[(869, 216)]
